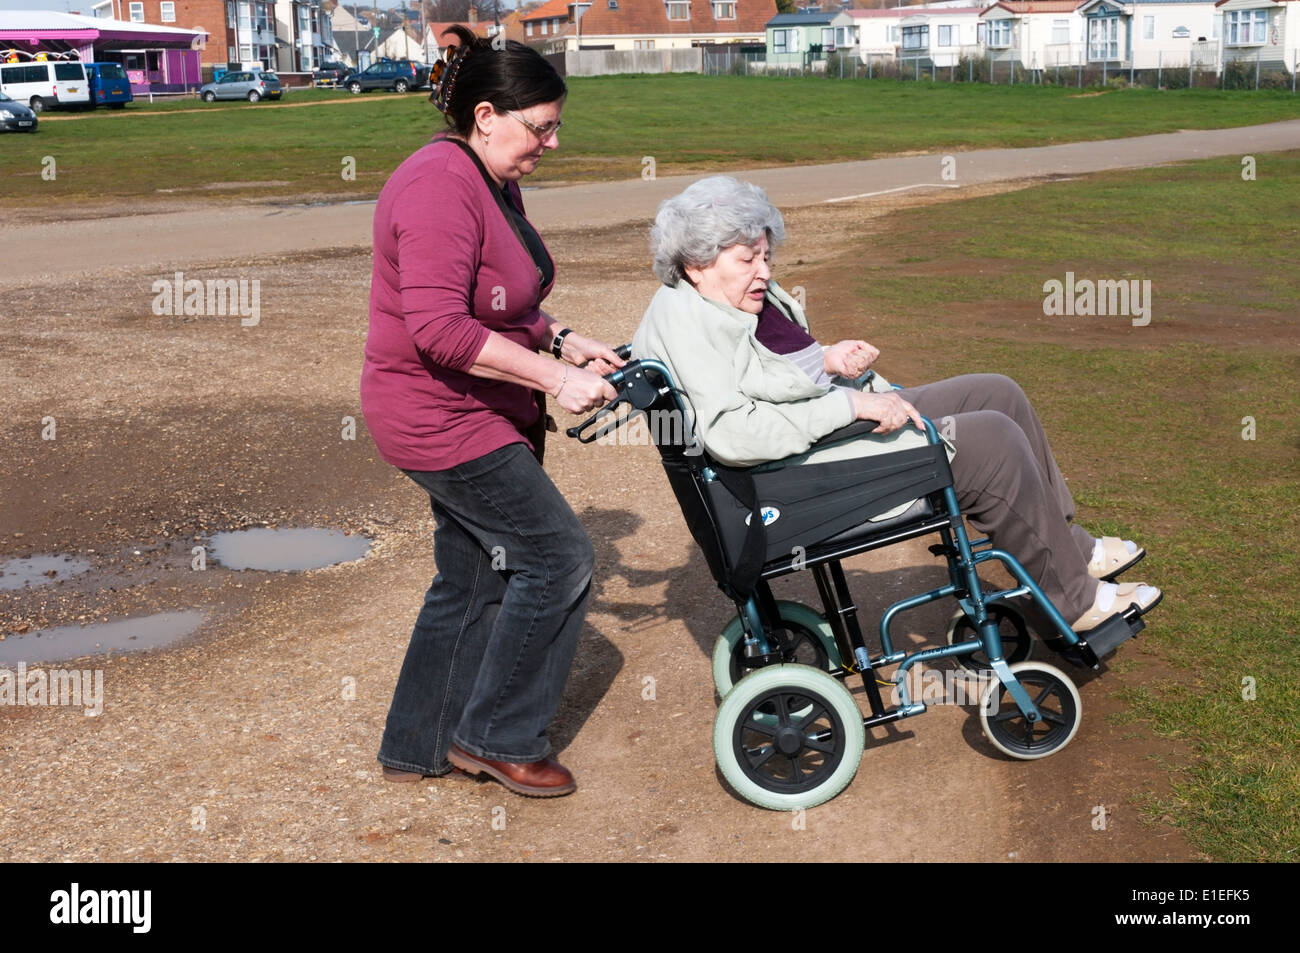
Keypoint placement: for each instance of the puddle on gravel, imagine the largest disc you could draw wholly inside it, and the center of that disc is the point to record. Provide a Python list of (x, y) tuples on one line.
[(40, 570), (287, 549), (126, 635)]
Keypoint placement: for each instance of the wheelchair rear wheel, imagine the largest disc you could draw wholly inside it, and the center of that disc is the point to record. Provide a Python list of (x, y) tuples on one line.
[(1057, 701), (788, 737), (1017, 644), (805, 638)]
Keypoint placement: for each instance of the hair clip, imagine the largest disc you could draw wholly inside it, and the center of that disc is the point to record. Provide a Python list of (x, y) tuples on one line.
[(446, 73)]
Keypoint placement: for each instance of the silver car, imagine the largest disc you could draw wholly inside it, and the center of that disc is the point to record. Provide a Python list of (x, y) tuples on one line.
[(243, 84)]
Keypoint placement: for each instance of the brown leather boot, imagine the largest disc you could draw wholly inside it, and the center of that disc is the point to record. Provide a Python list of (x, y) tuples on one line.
[(544, 778)]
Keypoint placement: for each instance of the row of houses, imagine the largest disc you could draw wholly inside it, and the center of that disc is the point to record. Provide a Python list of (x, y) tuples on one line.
[(1035, 34), (168, 44), (1042, 34)]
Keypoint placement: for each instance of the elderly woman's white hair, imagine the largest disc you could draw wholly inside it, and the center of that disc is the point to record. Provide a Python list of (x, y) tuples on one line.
[(710, 215)]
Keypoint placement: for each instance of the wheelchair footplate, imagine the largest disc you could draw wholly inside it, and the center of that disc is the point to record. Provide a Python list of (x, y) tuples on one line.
[(1101, 641)]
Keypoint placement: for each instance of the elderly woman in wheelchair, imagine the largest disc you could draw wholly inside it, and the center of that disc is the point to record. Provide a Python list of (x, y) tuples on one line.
[(794, 456)]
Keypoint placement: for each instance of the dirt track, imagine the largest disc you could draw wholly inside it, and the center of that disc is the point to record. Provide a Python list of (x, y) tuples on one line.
[(170, 428)]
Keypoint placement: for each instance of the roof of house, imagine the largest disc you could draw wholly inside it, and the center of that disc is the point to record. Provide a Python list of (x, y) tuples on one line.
[(435, 30), (650, 17), (1038, 6), (802, 19), (548, 11)]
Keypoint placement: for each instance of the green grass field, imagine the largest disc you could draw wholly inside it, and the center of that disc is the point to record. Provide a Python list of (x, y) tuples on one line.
[(1148, 424), (687, 122)]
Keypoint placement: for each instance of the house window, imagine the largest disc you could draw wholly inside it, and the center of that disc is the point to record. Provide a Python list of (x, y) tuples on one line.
[(528, 28), (999, 33), (1247, 27), (230, 14), (724, 11), (137, 13), (981, 33), (779, 39), (1060, 31), (1103, 38), (544, 23), (1148, 28), (643, 44), (167, 12), (678, 11), (893, 34), (945, 36), (916, 37), (844, 36), (828, 38), (231, 54)]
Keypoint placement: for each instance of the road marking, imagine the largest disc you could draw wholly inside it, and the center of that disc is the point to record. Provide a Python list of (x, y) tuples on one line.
[(901, 188)]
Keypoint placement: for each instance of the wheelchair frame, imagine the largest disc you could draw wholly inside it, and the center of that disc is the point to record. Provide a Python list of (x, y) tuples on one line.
[(801, 720)]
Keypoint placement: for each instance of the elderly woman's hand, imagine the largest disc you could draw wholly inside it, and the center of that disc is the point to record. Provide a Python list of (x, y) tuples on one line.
[(583, 352), (890, 410), (849, 359)]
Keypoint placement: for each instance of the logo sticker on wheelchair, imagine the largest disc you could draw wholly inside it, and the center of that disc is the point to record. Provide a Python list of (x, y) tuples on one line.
[(770, 515)]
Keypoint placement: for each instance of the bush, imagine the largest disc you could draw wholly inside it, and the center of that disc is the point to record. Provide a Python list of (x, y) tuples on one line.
[(1275, 79), (973, 68), (1238, 74)]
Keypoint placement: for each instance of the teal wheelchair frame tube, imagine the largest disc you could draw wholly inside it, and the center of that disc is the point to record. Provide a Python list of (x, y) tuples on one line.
[(973, 604)]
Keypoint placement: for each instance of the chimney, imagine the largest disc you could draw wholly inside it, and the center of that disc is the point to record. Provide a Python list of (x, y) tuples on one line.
[(473, 15)]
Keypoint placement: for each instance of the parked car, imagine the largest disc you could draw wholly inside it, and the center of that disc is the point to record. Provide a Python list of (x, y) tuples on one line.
[(329, 74), (41, 84), (243, 84), (15, 116), (109, 85), (397, 75)]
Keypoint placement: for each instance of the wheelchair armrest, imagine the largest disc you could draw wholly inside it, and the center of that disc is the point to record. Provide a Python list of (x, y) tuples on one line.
[(861, 428)]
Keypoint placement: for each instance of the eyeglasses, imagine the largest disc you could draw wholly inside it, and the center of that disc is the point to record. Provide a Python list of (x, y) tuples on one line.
[(542, 132)]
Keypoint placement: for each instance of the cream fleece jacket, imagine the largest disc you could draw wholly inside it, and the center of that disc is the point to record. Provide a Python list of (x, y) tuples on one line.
[(748, 405)]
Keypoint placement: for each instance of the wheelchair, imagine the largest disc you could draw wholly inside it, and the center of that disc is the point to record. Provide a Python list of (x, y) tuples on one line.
[(788, 734)]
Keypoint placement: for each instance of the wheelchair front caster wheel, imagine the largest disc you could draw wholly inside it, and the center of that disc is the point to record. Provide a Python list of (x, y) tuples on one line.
[(805, 638), (1017, 644), (1058, 704), (788, 737)]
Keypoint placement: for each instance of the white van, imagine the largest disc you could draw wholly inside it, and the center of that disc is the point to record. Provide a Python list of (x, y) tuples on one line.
[(54, 83)]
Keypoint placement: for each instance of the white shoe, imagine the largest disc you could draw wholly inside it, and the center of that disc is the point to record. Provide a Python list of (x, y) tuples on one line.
[(1112, 556), (1116, 597)]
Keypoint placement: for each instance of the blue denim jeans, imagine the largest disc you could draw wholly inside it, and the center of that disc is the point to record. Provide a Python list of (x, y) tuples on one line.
[(493, 644)]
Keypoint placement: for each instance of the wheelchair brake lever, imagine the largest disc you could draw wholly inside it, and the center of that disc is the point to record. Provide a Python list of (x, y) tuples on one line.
[(577, 431)]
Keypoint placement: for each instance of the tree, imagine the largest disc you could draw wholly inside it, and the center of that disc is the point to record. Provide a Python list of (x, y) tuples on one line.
[(786, 6)]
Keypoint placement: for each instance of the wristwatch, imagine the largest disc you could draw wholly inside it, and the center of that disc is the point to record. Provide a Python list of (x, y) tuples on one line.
[(557, 345)]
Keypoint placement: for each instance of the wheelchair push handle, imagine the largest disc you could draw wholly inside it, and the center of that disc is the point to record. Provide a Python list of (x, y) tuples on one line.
[(633, 388), (615, 379)]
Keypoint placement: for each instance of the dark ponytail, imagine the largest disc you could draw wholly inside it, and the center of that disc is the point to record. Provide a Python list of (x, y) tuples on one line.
[(505, 73)]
